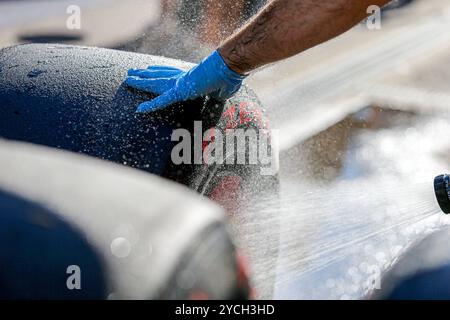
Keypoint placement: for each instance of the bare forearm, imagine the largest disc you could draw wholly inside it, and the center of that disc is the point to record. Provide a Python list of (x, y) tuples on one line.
[(287, 27)]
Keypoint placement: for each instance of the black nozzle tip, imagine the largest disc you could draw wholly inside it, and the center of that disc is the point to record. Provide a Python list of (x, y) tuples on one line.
[(441, 189)]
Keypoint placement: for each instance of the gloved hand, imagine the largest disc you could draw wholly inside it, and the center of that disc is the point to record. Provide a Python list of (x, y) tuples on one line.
[(212, 76)]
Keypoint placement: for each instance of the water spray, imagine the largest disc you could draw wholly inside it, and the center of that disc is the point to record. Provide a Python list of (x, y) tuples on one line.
[(442, 191)]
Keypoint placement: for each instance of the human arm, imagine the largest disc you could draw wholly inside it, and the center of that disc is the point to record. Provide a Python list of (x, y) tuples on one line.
[(282, 29)]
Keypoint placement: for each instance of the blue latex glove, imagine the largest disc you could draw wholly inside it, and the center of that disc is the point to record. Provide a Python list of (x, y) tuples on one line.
[(212, 76)]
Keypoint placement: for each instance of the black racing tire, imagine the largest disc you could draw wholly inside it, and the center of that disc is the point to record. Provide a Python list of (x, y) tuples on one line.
[(131, 235), (74, 98)]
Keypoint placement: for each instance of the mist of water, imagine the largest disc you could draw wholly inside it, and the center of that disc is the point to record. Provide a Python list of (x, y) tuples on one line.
[(335, 240)]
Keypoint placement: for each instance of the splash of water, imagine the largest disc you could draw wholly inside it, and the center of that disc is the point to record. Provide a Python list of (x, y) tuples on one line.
[(335, 241)]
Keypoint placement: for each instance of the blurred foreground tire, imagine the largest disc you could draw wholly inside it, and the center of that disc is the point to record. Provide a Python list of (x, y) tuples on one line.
[(72, 227)]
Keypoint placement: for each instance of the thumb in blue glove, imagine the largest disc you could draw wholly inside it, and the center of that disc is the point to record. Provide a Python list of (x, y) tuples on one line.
[(212, 76)]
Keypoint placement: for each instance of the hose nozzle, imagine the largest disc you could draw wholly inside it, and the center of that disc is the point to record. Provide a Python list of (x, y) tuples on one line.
[(442, 191)]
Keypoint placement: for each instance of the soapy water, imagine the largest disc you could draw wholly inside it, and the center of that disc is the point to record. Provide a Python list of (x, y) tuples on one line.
[(336, 239)]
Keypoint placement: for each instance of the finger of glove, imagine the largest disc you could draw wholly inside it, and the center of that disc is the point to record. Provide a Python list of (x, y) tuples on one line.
[(160, 102), (163, 68), (158, 86), (146, 73)]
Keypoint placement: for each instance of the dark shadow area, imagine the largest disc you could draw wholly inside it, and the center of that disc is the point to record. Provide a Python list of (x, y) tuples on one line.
[(36, 249)]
